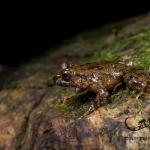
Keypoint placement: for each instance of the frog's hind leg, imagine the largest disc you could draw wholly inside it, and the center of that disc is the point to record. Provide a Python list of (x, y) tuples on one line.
[(137, 82)]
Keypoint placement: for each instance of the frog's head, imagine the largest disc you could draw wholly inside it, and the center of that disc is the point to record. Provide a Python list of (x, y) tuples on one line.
[(66, 75)]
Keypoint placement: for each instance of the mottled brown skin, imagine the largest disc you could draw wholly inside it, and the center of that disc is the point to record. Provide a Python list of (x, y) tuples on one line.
[(103, 78)]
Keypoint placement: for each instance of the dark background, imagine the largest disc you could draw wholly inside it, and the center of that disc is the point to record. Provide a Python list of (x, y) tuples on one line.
[(29, 29)]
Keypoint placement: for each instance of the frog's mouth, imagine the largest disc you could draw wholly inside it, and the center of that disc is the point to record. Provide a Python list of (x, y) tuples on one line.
[(63, 80)]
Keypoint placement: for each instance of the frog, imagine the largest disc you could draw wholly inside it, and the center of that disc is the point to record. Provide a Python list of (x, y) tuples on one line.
[(102, 78)]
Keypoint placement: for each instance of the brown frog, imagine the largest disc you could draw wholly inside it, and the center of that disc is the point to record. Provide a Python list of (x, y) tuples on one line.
[(102, 78)]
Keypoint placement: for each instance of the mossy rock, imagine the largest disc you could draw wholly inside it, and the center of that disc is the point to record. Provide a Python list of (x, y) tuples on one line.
[(32, 112)]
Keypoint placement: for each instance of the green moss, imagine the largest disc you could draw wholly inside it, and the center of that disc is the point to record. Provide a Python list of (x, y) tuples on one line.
[(104, 55), (138, 106), (114, 134), (116, 98), (135, 47)]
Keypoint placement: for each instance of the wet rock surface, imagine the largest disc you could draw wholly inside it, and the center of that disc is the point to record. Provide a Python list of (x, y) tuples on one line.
[(30, 120)]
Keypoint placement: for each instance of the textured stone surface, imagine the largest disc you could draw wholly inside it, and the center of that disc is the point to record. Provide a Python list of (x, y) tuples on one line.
[(29, 120)]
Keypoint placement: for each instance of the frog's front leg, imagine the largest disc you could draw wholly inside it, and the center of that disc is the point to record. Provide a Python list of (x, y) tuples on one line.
[(100, 99), (102, 96)]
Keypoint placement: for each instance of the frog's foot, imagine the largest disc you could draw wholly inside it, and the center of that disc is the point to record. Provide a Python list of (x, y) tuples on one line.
[(90, 110), (94, 106)]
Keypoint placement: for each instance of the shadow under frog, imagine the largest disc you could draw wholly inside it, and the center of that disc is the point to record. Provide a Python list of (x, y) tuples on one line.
[(102, 78)]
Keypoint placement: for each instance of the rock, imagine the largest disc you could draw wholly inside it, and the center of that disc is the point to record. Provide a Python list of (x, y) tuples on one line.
[(33, 117)]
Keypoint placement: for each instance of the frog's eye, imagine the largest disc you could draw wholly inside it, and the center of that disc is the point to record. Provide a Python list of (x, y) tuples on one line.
[(66, 77), (64, 65)]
